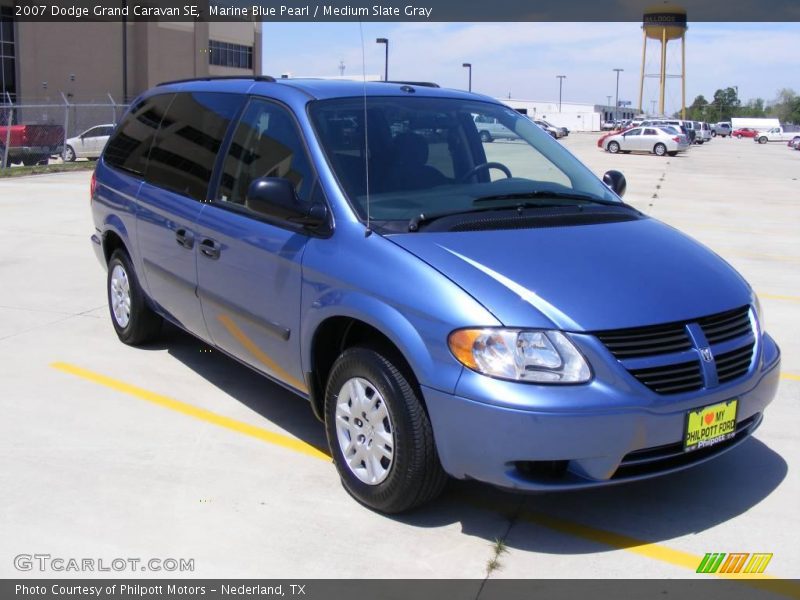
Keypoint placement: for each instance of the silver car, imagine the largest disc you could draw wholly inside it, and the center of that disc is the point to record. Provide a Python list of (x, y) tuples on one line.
[(656, 140), (491, 129), (88, 144)]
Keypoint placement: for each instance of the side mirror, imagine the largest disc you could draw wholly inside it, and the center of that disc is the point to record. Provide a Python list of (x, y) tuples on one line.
[(275, 197), (616, 181)]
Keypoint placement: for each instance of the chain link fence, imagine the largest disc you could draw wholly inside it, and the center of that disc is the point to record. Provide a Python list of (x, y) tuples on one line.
[(42, 132)]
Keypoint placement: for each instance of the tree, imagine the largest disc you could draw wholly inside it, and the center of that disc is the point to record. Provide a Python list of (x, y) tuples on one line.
[(753, 108), (698, 109), (725, 104), (786, 106)]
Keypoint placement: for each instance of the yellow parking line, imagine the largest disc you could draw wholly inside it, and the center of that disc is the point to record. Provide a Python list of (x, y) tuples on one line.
[(264, 435), (649, 550), (790, 376), (779, 297)]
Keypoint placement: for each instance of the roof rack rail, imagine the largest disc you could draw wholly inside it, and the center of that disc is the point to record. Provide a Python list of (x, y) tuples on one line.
[(266, 78), (429, 84)]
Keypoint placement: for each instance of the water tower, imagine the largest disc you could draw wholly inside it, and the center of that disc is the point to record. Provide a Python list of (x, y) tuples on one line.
[(664, 23)]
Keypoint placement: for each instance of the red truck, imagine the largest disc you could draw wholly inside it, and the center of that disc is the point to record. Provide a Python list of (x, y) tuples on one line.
[(30, 144)]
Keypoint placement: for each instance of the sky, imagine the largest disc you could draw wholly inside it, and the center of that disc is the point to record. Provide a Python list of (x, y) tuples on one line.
[(523, 59)]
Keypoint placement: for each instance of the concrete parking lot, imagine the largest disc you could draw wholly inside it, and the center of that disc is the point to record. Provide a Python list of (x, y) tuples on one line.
[(175, 451)]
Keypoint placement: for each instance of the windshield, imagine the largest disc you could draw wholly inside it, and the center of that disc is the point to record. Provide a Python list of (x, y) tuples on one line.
[(441, 155)]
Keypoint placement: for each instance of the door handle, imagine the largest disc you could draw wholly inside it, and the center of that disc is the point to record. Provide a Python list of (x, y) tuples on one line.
[(210, 248), (184, 238)]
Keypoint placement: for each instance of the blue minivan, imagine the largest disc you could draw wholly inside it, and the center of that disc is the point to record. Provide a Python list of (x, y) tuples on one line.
[(448, 306)]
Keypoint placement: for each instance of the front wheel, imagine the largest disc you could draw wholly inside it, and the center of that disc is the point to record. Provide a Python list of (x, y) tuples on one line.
[(613, 147), (762, 140), (660, 149), (379, 434), (134, 321)]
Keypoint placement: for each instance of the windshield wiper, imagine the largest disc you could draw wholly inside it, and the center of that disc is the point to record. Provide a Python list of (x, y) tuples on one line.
[(547, 194), (422, 218)]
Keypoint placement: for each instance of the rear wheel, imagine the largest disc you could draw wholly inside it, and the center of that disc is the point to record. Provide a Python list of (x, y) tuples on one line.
[(134, 321), (660, 149), (738, 136), (379, 434), (69, 154), (613, 147)]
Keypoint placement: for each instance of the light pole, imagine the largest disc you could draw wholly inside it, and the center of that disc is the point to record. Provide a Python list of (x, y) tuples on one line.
[(561, 79), (616, 104), (385, 42), (469, 66)]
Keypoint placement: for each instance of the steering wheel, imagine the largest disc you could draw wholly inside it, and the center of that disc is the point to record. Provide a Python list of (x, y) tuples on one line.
[(486, 165)]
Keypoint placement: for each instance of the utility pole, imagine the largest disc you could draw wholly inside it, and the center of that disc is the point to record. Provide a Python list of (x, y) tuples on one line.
[(561, 79), (616, 105)]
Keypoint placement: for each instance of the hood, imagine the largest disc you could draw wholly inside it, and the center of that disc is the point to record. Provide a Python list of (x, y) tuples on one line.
[(584, 278)]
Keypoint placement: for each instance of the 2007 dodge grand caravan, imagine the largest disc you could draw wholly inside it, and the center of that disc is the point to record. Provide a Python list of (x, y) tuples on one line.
[(447, 306)]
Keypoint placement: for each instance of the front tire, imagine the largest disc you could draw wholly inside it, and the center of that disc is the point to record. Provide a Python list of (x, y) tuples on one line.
[(660, 149), (134, 321), (379, 434), (762, 140), (69, 154), (613, 147)]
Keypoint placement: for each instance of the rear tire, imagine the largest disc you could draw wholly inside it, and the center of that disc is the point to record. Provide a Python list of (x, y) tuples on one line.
[(659, 149), (133, 320), (388, 463), (613, 147), (69, 154), (738, 136)]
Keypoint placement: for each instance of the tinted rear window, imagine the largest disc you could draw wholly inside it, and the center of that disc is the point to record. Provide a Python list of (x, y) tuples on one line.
[(185, 149), (129, 147)]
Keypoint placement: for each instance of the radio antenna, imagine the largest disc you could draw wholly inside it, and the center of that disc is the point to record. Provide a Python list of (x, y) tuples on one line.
[(368, 231)]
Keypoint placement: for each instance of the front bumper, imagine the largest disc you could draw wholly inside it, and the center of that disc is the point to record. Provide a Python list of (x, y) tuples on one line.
[(565, 437)]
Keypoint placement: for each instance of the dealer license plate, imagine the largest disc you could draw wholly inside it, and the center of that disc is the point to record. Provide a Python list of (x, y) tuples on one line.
[(710, 425)]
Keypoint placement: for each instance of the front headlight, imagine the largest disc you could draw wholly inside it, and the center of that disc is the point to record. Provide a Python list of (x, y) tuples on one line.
[(520, 355)]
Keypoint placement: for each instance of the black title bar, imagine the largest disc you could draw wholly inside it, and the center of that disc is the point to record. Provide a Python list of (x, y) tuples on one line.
[(393, 10)]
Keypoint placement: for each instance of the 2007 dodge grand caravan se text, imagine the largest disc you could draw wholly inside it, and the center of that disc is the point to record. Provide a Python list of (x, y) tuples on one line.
[(447, 306)]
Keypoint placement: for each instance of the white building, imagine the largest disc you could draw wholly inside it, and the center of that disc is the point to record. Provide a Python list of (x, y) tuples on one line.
[(573, 115)]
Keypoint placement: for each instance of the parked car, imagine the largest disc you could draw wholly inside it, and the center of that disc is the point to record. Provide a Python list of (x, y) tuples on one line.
[(705, 131), (560, 131), (745, 132), (794, 142), (653, 139), (685, 127), (30, 144), (722, 129), (553, 131), (388, 279), (88, 144), (775, 134), (491, 129)]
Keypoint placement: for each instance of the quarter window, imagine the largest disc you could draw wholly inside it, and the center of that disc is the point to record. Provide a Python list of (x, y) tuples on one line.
[(266, 143), (129, 147)]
